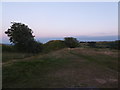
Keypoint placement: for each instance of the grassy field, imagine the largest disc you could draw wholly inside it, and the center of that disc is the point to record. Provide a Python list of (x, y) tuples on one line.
[(8, 56), (78, 67)]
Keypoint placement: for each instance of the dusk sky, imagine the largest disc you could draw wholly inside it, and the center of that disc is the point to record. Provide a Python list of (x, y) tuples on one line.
[(50, 20)]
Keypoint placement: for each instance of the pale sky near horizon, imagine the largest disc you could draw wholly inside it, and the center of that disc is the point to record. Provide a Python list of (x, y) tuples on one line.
[(63, 19)]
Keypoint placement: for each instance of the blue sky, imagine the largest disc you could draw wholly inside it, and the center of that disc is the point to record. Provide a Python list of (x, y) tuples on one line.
[(50, 20)]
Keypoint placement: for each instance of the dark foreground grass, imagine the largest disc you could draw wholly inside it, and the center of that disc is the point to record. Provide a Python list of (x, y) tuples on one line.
[(24, 72), (8, 56), (64, 68), (101, 59)]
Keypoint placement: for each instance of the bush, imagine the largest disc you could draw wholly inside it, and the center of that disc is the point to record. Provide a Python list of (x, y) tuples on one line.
[(71, 42), (30, 47)]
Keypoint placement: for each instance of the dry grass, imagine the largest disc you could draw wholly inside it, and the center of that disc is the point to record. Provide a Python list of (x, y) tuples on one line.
[(79, 67)]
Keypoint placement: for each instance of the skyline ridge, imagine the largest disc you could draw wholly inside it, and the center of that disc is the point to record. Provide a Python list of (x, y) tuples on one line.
[(80, 38)]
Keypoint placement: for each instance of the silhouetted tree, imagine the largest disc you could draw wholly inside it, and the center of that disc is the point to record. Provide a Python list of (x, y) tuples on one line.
[(21, 35), (71, 42)]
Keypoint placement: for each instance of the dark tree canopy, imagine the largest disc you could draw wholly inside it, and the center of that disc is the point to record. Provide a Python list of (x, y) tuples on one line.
[(71, 42), (21, 35)]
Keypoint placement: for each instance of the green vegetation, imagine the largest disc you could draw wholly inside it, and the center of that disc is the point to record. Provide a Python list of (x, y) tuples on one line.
[(102, 59), (21, 36), (9, 52), (8, 48), (76, 67), (71, 42), (53, 45), (0, 54), (8, 56), (102, 44), (23, 41), (57, 63)]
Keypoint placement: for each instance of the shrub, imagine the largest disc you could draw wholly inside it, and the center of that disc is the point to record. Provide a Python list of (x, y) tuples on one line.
[(71, 42), (30, 47)]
